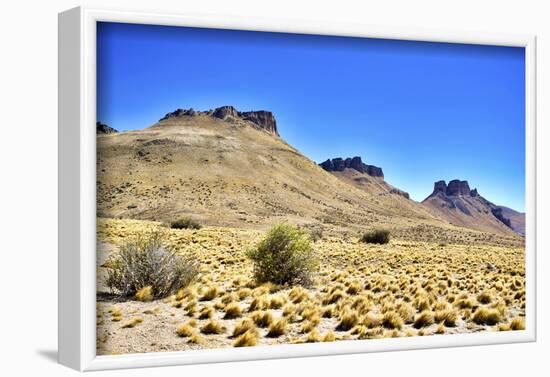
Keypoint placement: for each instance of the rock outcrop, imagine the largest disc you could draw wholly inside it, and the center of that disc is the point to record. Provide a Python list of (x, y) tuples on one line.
[(460, 205), (104, 129), (261, 119), (454, 188), (458, 188), (339, 164)]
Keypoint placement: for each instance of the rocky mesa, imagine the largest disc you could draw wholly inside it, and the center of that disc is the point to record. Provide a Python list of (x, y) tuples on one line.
[(462, 206), (261, 119)]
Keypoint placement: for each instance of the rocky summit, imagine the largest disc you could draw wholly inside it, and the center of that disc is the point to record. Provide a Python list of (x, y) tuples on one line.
[(454, 188), (104, 129), (260, 119), (339, 164), (460, 205)]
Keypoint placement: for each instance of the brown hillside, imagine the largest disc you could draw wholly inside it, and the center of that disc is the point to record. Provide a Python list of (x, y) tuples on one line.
[(229, 168)]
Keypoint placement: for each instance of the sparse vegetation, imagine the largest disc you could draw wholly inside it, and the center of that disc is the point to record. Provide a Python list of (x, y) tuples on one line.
[(132, 323), (243, 326), (487, 316), (360, 292), (212, 327), (423, 319), (232, 310), (248, 339), (379, 236), (285, 256), (185, 223), (185, 330), (277, 328), (147, 263), (145, 294)]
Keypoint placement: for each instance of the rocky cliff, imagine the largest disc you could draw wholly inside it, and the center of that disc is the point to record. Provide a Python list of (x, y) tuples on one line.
[(462, 206), (260, 119), (339, 164), (104, 129)]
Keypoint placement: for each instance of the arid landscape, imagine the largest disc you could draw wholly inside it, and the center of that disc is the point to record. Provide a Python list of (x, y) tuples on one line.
[(217, 184)]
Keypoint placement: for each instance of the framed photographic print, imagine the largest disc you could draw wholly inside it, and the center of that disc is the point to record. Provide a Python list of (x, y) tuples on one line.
[(237, 189)]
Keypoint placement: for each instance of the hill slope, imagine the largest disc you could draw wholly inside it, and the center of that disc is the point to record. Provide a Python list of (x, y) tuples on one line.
[(230, 168), (461, 206)]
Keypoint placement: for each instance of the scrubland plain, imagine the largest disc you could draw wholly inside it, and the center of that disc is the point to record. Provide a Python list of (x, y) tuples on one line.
[(360, 291)]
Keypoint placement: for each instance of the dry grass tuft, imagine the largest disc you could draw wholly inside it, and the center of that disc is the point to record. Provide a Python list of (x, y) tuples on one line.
[(262, 318), (212, 327), (132, 323), (313, 337), (185, 330), (210, 293), (207, 313), (243, 326), (392, 320), (232, 311), (486, 316), (247, 339), (423, 319), (329, 337), (517, 323), (348, 320), (145, 294), (276, 302), (277, 328), (485, 297), (447, 316)]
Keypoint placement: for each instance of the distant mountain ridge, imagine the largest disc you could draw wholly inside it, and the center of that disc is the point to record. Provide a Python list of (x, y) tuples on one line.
[(462, 206), (227, 167)]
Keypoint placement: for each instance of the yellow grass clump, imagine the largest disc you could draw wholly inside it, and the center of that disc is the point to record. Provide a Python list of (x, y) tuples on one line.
[(277, 328), (447, 316), (392, 320), (207, 312), (132, 323), (210, 293), (185, 330), (212, 327), (486, 316), (423, 319), (517, 323), (329, 337), (348, 320), (243, 326), (232, 311), (262, 318), (248, 339), (145, 294)]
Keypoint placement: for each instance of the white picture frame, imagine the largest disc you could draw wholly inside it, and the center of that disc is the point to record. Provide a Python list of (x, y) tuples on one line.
[(77, 183)]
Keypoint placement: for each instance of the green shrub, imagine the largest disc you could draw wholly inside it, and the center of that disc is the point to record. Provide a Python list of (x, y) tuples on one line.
[(379, 236), (145, 261), (185, 223), (284, 256)]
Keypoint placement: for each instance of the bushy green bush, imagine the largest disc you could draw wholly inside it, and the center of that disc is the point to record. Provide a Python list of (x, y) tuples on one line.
[(185, 223), (379, 236), (284, 256), (145, 261)]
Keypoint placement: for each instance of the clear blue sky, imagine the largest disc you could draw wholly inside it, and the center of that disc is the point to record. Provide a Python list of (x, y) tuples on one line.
[(421, 111)]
